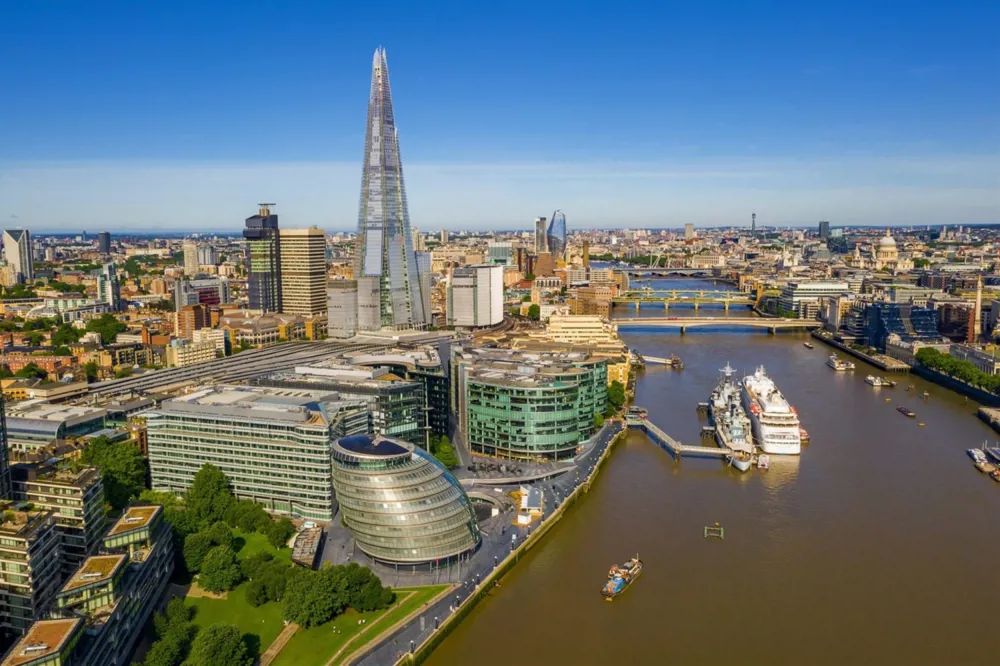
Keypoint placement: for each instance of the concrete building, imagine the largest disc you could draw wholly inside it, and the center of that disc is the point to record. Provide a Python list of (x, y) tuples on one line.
[(76, 499), (263, 260), (217, 337), (475, 296), (802, 298), (17, 255), (207, 256), (522, 405), (824, 229), (985, 357), (342, 308), (181, 353), (689, 231), (500, 252), (190, 318), (191, 266), (34, 425), (541, 243), (108, 289), (29, 567), (303, 271), (202, 291), (400, 504), (274, 444)]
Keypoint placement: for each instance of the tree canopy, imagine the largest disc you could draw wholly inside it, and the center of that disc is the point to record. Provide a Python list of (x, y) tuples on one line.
[(315, 597), (220, 570), (534, 312), (209, 496), (220, 645), (107, 326), (123, 469)]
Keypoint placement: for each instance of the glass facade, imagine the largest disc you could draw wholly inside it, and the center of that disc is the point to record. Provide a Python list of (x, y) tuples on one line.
[(400, 503), (5, 487), (263, 261), (385, 261), (555, 238), (910, 322)]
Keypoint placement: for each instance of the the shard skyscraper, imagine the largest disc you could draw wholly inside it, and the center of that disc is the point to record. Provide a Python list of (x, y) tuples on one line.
[(390, 289)]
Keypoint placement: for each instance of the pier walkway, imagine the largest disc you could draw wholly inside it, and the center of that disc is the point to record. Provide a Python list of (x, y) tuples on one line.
[(671, 445)]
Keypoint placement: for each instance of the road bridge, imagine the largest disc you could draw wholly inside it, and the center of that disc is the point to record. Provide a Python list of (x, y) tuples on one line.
[(683, 298), (684, 323)]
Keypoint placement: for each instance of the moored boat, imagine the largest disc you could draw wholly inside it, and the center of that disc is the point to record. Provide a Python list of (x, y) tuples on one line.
[(807, 345), (732, 426), (906, 411), (775, 423), (621, 577), (839, 364)]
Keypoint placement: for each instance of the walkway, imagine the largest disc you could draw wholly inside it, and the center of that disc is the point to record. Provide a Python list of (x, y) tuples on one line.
[(278, 644), (673, 446)]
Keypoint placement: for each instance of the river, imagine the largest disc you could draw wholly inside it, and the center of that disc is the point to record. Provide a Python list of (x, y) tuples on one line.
[(876, 546)]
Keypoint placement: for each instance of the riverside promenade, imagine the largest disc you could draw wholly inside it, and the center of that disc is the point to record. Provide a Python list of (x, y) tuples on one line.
[(412, 642)]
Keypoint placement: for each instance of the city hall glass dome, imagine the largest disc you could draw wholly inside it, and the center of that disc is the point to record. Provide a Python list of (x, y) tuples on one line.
[(401, 504)]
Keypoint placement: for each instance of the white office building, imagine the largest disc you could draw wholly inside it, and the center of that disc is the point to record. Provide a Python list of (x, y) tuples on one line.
[(475, 296)]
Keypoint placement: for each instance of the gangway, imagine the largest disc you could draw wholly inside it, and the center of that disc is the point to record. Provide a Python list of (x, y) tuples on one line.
[(671, 445)]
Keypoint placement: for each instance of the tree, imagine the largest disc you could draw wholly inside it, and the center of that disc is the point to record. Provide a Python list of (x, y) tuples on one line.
[(174, 631), (247, 515), (91, 370), (598, 421), (220, 645), (32, 371), (442, 449), (253, 564), (107, 326), (279, 532), (209, 496), (123, 469), (616, 394), (167, 651), (256, 593), (220, 570), (196, 547), (530, 277), (534, 312), (526, 298), (66, 334), (221, 535), (62, 351)]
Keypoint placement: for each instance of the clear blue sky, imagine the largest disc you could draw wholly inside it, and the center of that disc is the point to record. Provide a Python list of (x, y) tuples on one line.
[(182, 115)]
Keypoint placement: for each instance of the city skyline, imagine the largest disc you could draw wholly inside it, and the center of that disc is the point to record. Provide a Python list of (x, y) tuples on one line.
[(742, 114)]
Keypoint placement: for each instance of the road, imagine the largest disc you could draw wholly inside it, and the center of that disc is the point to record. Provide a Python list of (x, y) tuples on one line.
[(494, 548)]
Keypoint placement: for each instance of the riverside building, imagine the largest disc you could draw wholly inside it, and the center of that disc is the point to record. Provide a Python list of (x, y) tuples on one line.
[(273, 443), (523, 405), (29, 567), (401, 505)]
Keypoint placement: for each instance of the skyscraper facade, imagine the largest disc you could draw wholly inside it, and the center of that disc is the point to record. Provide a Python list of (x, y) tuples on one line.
[(104, 242), (190, 258), (263, 258), (390, 291), (541, 245), (824, 229), (303, 271), (17, 255), (108, 288), (555, 238)]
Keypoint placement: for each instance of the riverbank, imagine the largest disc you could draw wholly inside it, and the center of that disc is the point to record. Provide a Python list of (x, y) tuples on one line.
[(880, 361), (421, 652), (957, 385)]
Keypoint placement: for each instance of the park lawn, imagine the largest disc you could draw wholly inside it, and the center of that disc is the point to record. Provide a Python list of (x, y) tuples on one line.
[(254, 542), (265, 622), (315, 647)]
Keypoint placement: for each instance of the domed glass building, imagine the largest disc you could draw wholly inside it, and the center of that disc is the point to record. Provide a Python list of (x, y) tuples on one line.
[(400, 503)]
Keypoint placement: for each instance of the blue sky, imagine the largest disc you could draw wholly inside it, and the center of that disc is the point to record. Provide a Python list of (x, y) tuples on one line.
[(182, 115)]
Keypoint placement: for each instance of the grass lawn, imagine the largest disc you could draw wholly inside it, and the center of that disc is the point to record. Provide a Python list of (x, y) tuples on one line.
[(263, 622), (248, 543), (315, 647)]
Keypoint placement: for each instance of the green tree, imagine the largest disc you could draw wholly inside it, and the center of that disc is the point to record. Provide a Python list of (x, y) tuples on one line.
[(598, 421), (34, 338), (256, 593), (209, 496), (220, 645), (196, 547), (253, 564), (168, 651), (526, 298), (534, 312), (107, 326), (221, 535), (616, 394), (32, 371), (442, 449), (123, 469), (62, 351), (66, 334), (91, 369), (529, 277), (247, 515), (279, 532), (220, 570)]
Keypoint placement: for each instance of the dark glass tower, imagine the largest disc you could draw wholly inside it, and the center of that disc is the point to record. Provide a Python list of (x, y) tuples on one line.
[(390, 291), (556, 236), (263, 256)]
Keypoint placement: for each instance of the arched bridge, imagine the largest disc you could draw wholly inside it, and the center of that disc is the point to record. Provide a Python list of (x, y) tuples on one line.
[(684, 323)]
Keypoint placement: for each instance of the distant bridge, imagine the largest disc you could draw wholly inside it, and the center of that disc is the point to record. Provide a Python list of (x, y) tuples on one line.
[(695, 298), (684, 323)]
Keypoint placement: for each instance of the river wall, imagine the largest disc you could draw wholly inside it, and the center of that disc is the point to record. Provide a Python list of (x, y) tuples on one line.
[(957, 385), (422, 652)]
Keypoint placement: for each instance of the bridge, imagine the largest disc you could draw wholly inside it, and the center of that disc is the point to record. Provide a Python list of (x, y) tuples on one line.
[(683, 297), (684, 323), (671, 445)]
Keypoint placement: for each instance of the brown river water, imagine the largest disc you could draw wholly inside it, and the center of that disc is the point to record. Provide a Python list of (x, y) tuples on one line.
[(879, 545)]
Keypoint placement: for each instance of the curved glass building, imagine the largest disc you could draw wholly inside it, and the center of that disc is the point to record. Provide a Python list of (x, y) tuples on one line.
[(556, 236), (400, 503)]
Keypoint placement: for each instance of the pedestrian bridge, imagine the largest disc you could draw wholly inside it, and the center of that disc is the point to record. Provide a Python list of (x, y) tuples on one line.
[(684, 323), (671, 445)]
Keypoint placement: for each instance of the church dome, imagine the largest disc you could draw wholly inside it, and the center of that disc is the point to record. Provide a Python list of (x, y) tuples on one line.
[(887, 241)]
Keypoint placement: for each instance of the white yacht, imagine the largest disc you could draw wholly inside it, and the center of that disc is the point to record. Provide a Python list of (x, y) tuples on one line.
[(775, 422), (838, 364), (732, 427)]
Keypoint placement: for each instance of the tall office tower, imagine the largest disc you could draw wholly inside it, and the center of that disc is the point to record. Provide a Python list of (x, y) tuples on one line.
[(824, 229), (303, 271), (541, 244), (207, 256), (263, 260), (555, 238), (17, 254), (753, 224), (108, 289), (586, 253), (688, 231), (5, 486), (190, 258), (389, 285), (475, 296), (104, 242), (444, 236)]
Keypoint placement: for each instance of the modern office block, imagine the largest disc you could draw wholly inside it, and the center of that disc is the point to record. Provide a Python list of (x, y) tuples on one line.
[(108, 288), (263, 259), (555, 237), (104, 242), (17, 255), (475, 296), (303, 271), (29, 567), (401, 505), (342, 308)]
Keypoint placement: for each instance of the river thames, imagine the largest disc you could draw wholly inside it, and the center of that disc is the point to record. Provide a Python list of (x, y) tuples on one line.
[(875, 546)]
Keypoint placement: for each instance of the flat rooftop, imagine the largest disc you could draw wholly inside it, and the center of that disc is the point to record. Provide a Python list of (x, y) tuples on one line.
[(373, 445), (95, 569), (293, 405), (135, 518), (44, 639)]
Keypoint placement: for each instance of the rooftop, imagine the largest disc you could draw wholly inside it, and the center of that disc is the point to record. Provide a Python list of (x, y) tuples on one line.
[(95, 569), (374, 445), (135, 518), (292, 405), (44, 638)]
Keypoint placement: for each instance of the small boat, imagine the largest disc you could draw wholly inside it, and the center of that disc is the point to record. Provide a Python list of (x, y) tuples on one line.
[(763, 461), (675, 362), (995, 475), (925, 394), (976, 454), (879, 382), (906, 411), (803, 435), (807, 345), (985, 466), (741, 460), (620, 577), (838, 364)]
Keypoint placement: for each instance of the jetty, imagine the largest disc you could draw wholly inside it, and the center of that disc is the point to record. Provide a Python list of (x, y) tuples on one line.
[(881, 361), (671, 445)]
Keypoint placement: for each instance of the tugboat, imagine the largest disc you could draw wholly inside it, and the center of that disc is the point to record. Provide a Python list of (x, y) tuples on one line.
[(620, 577), (906, 411)]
